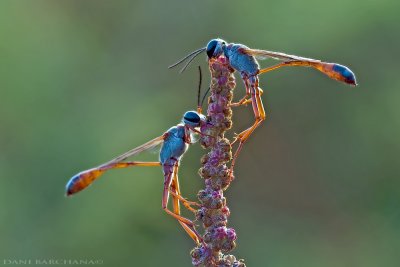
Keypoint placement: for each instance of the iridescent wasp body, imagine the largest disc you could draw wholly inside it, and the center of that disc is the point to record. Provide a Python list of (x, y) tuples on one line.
[(244, 60)]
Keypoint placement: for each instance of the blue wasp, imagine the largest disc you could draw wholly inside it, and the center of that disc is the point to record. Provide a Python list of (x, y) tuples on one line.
[(174, 143), (244, 60)]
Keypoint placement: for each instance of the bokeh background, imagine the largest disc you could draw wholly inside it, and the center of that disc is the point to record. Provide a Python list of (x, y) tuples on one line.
[(82, 81)]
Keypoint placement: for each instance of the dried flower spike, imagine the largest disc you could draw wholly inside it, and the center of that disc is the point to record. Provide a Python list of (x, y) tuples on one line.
[(214, 213)]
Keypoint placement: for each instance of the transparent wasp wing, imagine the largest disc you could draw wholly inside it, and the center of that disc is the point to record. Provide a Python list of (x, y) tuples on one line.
[(332, 70), (264, 54), (137, 150)]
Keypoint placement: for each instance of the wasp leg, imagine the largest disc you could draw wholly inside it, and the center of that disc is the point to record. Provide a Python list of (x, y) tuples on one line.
[(332, 70), (175, 189), (188, 204), (241, 102), (287, 64), (259, 114), (171, 184), (120, 165), (244, 101)]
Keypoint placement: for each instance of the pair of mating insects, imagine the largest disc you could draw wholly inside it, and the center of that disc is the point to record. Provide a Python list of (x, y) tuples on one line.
[(176, 140)]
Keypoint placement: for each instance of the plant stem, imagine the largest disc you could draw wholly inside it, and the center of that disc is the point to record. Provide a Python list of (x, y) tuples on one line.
[(214, 213)]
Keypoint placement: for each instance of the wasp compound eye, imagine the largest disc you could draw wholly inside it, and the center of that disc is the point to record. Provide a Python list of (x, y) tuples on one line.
[(211, 47), (192, 118)]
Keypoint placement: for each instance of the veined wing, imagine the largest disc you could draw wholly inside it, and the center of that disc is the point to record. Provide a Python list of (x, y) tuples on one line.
[(150, 144), (332, 70), (263, 54)]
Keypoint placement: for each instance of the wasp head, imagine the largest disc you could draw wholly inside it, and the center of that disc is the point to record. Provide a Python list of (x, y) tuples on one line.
[(215, 48), (193, 119)]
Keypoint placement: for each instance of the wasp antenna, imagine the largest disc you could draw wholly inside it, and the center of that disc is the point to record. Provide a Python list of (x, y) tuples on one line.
[(186, 57), (204, 97), (190, 60), (195, 53), (199, 89)]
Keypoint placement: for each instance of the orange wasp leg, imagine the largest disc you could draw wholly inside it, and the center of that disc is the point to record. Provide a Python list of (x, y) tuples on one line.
[(259, 113), (130, 164), (329, 69), (171, 184), (188, 204), (288, 64), (175, 189), (175, 183), (245, 100)]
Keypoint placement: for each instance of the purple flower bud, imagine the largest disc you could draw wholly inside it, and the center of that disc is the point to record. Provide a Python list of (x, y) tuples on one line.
[(214, 108), (219, 118), (222, 101), (216, 194), (231, 234), (214, 161), (228, 245), (225, 210), (199, 255), (222, 80), (219, 219), (219, 232)]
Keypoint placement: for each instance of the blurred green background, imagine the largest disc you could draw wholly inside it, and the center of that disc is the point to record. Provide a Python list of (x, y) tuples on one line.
[(82, 81)]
